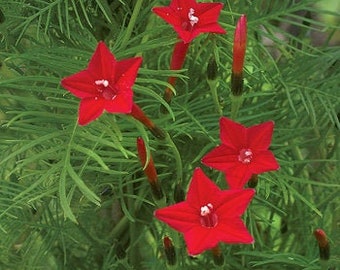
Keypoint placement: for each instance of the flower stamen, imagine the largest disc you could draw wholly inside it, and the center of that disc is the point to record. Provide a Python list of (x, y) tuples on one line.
[(193, 19), (105, 89), (208, 217), (245, 156), (103, 82)]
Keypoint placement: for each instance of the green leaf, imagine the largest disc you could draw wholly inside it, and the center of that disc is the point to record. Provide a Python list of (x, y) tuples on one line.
[(62, 195), (91, 154), (88, 193)]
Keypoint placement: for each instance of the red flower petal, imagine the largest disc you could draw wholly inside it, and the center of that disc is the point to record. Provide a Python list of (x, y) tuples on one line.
[(179, 216), (210, 28), (233, 134), (238, 177), (221, 158), (122, 103), (168, 15), (200, 190), (234, 232), (80, 84), (182, 6), (234, 204), (199, 239), (260, 136), (263, 161), (102, 63), (90, 109), (208, 14), (126, 72), (186, 36)]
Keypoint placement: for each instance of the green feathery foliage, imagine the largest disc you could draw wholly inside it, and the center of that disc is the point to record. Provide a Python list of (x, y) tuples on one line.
[(74, 197)]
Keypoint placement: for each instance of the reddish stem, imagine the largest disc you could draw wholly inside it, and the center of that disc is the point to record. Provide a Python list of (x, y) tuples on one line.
[(139, 115)]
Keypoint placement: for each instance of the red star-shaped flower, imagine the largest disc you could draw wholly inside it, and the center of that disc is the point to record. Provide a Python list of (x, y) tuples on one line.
[(209, 215), (189, 18), (106, 84), (243, 152)]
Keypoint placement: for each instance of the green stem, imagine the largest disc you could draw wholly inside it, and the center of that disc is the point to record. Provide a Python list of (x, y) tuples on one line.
[(213, 89), (133, 252), (177, 157), (119, 228), (132, 23), (304, 172), (236, 103)]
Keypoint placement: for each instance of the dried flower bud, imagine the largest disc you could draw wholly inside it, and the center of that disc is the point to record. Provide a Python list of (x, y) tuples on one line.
[(324, 249), (169, 251)]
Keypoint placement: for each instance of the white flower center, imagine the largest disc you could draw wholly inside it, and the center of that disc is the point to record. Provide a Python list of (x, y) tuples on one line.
[(206, 209), (208, 217), (106, 90), (245, 156), (103, 82), (193, 19)]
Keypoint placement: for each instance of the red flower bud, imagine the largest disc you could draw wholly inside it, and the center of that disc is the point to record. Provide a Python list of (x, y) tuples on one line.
[(239, 51), (149, 169), (323, 243), (240, 40), (169, 250)]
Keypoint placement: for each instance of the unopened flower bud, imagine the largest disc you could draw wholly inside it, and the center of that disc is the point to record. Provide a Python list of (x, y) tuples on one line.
[(169, 251), (324, 249), (212, 73), (239, 51), (217, 255), (212, 69), (149, 169), (252, 183)]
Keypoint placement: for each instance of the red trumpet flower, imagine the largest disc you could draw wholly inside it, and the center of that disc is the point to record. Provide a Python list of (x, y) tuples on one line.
[(106, 84), (209, 215), (243, 152), (189, 19)]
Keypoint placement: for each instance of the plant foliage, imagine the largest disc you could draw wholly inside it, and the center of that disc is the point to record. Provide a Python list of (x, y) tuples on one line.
[(75, 197)]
